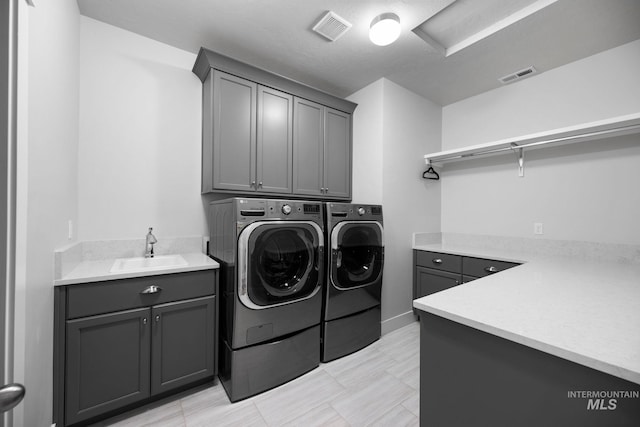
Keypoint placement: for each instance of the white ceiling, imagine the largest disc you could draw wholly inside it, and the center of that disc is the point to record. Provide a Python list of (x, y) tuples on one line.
[(276, 35)]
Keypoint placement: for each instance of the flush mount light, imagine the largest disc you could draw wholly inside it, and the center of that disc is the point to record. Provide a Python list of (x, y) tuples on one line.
[(384, 29)]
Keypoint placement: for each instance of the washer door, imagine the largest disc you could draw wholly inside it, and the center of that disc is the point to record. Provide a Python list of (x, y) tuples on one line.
[(357, 254), (279, 262)]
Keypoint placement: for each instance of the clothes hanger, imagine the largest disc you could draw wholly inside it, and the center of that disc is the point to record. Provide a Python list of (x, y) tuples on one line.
[(431, 171)]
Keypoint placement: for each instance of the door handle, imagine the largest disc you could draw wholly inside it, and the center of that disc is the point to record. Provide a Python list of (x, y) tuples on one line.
[(10, 396), (339, 259)]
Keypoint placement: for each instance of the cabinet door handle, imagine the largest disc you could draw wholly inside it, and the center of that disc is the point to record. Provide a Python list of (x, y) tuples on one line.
[(144, 321), (253, 184), (157, 318), (437, 261), (491, 269), (153, 289), (260, 184)]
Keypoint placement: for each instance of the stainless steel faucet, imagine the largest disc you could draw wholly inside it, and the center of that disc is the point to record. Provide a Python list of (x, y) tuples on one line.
[(151, 239)]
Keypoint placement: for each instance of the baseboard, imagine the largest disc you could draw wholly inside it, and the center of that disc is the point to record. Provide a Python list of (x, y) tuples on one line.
[(397, 322)]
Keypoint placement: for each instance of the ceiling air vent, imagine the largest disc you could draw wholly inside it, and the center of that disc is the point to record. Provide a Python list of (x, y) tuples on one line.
[(332, 26), (518, 75)]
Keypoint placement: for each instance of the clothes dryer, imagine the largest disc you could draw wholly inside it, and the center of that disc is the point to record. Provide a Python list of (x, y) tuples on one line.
[(351, 311), (271, 254)]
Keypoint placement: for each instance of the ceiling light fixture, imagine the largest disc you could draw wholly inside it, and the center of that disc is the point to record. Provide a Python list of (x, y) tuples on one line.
[(384, 29)]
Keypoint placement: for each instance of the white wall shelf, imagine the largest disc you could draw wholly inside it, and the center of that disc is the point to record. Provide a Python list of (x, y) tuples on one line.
[(616, 126)]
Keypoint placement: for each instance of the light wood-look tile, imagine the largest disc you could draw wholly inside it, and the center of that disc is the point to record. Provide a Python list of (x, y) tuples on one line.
[(296, 398), (322, 416), (398, 416), (365, 405), (376, 386)]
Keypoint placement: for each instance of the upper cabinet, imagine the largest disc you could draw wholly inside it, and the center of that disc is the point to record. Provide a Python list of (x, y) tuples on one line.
[(322, 151), (266, 135)]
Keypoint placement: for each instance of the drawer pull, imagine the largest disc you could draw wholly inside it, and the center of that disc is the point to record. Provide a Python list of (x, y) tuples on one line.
[(437, 261), (153, 289), (491, 269)]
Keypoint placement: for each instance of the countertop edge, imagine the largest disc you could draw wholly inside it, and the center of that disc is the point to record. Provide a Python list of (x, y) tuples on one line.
[(98, 271), (571, 356)]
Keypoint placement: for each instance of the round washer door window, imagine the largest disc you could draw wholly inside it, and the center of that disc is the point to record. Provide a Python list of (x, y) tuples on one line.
[(357, 255), (282, 263)]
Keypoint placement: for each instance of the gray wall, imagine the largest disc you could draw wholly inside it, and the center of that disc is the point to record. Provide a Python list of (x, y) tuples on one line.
[(397, 128), (583, 192)]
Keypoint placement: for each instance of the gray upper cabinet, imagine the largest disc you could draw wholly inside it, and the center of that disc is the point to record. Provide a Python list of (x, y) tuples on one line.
[(308, 167), (264, 134), (231, 146), (322, 151), (337, 154), (275, 141)]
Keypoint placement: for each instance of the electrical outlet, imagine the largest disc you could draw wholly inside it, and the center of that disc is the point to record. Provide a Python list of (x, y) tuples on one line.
[(537, 228)]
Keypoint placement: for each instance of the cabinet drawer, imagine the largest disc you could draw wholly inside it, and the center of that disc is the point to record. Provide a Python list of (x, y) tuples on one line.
[(124, 294), (439, 261), (479, 267)]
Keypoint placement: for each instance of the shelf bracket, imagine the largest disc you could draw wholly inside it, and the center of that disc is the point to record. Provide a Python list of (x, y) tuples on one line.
[(519, 152)]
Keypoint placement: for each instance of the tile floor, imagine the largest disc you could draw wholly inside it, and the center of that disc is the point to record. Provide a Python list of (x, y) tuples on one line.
[(377, 386)]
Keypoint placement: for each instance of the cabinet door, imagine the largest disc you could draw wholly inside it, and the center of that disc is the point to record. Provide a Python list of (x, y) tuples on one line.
[(234, 133), (107, 363), (183, 343), (274, 141), (337, 154), (431, 281), (308, 148)]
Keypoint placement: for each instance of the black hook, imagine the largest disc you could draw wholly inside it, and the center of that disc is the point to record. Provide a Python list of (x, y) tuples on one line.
[(431, 171)]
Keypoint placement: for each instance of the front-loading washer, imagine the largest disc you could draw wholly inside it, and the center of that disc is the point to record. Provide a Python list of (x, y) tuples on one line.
[(271, 254), (352, 295)]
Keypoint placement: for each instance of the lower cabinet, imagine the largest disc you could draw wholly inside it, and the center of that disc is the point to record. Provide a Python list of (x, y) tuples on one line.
[(108, 361), (435, 271), (430, 281), (112, 361), (182, 343)]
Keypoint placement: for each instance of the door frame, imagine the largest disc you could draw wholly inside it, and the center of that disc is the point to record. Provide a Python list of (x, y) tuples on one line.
[(8, 161)]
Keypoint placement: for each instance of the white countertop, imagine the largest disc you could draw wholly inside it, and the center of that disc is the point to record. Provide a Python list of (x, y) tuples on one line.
[(583, 311), (98, 271)]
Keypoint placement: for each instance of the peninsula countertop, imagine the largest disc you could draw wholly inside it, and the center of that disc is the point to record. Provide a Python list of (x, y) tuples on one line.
[(99, 270), (584, 311)]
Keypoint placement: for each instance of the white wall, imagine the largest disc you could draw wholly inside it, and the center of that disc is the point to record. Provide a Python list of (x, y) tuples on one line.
[(579, 192), (47, 188), (140, 130), (367, 144), (394, 129)]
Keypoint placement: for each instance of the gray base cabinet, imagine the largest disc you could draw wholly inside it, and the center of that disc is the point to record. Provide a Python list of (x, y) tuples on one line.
[(265, 135), (107, 363), (435, 271), (182, 343), (116, 346), (472, 378)]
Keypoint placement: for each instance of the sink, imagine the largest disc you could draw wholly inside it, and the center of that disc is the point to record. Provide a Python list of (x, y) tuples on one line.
[(123, 265)]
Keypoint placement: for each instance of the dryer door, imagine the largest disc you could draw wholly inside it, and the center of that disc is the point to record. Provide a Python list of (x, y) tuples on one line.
[(279, 262), (357, 254)]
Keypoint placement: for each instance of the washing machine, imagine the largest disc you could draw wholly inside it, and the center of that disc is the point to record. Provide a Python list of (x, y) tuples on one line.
[(355, 261), (272, 258)]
